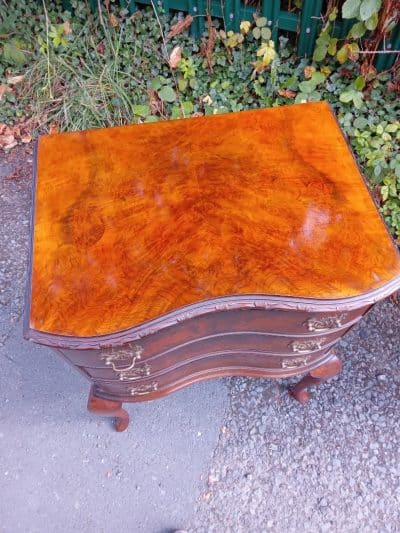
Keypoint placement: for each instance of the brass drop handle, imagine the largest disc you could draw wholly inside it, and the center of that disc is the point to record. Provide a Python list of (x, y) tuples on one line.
[(306, 346), (295, 362), (142, 390), (135, 373), (325, 323), (112, 356)]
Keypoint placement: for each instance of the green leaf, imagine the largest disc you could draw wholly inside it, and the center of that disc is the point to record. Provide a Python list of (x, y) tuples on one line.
[(359, 83), (256, 33), (187, 107), (346, 96), (372, 22), (151, 118), (182, 84), (320, 53), (12, 53), (289, 82), (266, 34), (141, 110), (167, 94), (358, 99), (343, 54), (307, 87), (176, 112), (368, 8), (385, 192), (323, 38), (360, 123), (317, 78), (156, 83), (315, 96), (332, 48), (351, 9), (261, 22), (392, 128), (357, 30), (333, 14), (300, 97)]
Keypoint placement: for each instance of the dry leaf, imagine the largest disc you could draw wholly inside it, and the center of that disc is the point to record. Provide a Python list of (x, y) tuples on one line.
[(26, 139), (156, 105), (286, 93), (308, 72), (53, 128), (180, 26), (7, 139), (113, 20), (5, 130), (368, 71), (101, 48), (13, 80), (175, 57), (198, 114), (67, 28)]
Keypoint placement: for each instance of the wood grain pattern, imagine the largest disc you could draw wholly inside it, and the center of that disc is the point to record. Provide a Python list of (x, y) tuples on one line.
[(137, 221)]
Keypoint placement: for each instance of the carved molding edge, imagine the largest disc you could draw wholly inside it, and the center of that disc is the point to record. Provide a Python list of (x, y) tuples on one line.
[(226, 303)]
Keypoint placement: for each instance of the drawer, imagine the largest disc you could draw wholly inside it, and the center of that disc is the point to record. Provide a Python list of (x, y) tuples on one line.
[(275, 321), (131, 368), (256, 364)]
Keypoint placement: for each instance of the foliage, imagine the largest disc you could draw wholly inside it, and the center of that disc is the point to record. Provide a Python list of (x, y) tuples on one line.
[(84, 71)]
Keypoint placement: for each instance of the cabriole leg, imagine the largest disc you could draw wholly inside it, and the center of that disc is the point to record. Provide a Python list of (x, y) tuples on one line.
[(111, 408), (329, 369)]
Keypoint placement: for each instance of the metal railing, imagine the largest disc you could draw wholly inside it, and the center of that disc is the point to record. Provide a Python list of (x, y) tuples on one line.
[(304, 23)]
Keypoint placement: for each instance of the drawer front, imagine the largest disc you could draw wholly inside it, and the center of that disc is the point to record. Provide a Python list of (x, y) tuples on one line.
[(249, 364), (136, 365), (290, 323)]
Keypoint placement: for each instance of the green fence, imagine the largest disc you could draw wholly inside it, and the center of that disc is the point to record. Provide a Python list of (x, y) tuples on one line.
[(304, 22)]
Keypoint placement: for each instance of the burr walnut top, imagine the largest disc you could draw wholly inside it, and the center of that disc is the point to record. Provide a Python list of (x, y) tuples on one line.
[(136, 221)]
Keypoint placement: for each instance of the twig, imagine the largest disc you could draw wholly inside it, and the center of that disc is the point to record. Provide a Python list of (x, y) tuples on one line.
[(159, 23), (165, 55), (47, 49), (100, 12)]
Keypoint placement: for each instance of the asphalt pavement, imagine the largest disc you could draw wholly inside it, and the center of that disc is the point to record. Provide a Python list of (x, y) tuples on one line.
[(227, 455)]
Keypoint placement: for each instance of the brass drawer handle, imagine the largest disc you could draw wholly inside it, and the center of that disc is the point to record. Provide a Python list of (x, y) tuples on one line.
[(142, 390), (128, 372), (135, 373), (325, 323), (306, 346), (295, 362)]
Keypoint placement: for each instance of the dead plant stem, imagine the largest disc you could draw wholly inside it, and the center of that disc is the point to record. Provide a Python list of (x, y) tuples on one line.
[(47, 49)]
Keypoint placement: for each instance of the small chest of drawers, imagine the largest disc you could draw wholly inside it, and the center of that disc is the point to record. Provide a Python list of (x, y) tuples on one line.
[(240, 244)]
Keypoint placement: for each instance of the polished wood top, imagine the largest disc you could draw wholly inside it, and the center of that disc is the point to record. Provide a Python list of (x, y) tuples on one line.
[(132, 222)]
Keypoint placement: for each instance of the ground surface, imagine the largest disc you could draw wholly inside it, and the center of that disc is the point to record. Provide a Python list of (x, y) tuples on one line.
[(235, 455)]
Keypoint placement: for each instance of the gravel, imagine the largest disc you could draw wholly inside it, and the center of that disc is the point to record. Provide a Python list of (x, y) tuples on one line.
[(234, 455), (331, 465)]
